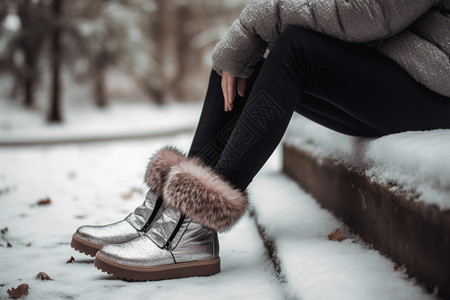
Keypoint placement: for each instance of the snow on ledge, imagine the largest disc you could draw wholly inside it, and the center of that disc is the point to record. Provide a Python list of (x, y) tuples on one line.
[(417, 161)]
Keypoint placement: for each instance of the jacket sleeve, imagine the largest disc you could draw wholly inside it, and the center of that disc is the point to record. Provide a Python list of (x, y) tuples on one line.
[(350, 20), (238, 51)]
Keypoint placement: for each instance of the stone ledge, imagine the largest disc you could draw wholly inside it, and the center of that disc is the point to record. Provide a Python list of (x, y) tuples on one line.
[(410, 232)]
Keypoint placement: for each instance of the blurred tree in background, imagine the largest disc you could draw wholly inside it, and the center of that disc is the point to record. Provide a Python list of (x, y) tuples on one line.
[(164, 46), (24, 45)]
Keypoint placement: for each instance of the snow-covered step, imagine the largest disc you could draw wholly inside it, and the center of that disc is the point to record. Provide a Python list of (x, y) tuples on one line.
[(393, 191), (310, 265)]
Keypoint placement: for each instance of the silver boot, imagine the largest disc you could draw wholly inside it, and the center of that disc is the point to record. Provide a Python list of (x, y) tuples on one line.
[(174, 247), (89, 239), (182, 241)]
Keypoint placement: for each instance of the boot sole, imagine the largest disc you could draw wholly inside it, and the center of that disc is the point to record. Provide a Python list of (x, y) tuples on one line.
[(180, 270), (84, 246)]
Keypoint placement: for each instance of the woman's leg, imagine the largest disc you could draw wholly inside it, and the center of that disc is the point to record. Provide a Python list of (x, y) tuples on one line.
[(215, 125), (333, 117), (350, 85)]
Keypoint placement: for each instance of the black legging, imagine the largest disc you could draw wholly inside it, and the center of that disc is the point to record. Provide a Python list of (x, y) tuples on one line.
[(347, 87)]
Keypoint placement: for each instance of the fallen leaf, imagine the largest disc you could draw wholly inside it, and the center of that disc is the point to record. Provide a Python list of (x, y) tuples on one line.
[(127, 195), (4, 230), (71, 260), (45, 201), (9, 245), (28, 245), (131, 192), (2, 284), (337, 235), (43, 276), (18, 291)]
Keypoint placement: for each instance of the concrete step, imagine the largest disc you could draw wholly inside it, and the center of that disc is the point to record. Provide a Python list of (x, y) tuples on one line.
[(309, 265), (411, 232)]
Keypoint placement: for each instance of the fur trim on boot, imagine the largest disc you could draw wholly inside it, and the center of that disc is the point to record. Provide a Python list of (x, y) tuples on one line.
[(159, 166), (203, 195)]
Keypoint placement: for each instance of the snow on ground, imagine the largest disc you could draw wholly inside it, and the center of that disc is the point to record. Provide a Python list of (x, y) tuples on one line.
[(92, 184), (85, 122), (416, 161), (314, 267)]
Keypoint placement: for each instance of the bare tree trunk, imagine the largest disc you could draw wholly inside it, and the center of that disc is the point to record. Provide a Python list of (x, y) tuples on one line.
[(182, 50), (188, 56), (100, 93), (24, 13), (101, 61), (55, 101), (30, 44), (156, 86), (29, 90)]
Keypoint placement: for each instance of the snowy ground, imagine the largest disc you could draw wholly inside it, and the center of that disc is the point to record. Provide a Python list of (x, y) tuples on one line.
[(102, 182), (416, 161), (91, 184)]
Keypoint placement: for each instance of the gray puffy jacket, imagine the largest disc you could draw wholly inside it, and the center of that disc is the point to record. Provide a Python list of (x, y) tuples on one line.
[(413, 33)]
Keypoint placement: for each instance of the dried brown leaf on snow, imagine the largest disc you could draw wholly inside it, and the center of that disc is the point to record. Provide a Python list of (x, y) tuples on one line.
[(337, 235), (2, 284), (9, 245), (18, 291), (43, 276), (127, 195), (131, 192), (45, 201), (71, 260), (4, 231)]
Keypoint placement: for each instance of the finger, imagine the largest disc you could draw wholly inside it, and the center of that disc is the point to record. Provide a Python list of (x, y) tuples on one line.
[(224, 91), (241, 84), (229, 85), (231, 92)]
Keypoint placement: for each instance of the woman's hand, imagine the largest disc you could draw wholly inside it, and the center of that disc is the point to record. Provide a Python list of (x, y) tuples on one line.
[(229, 91)]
